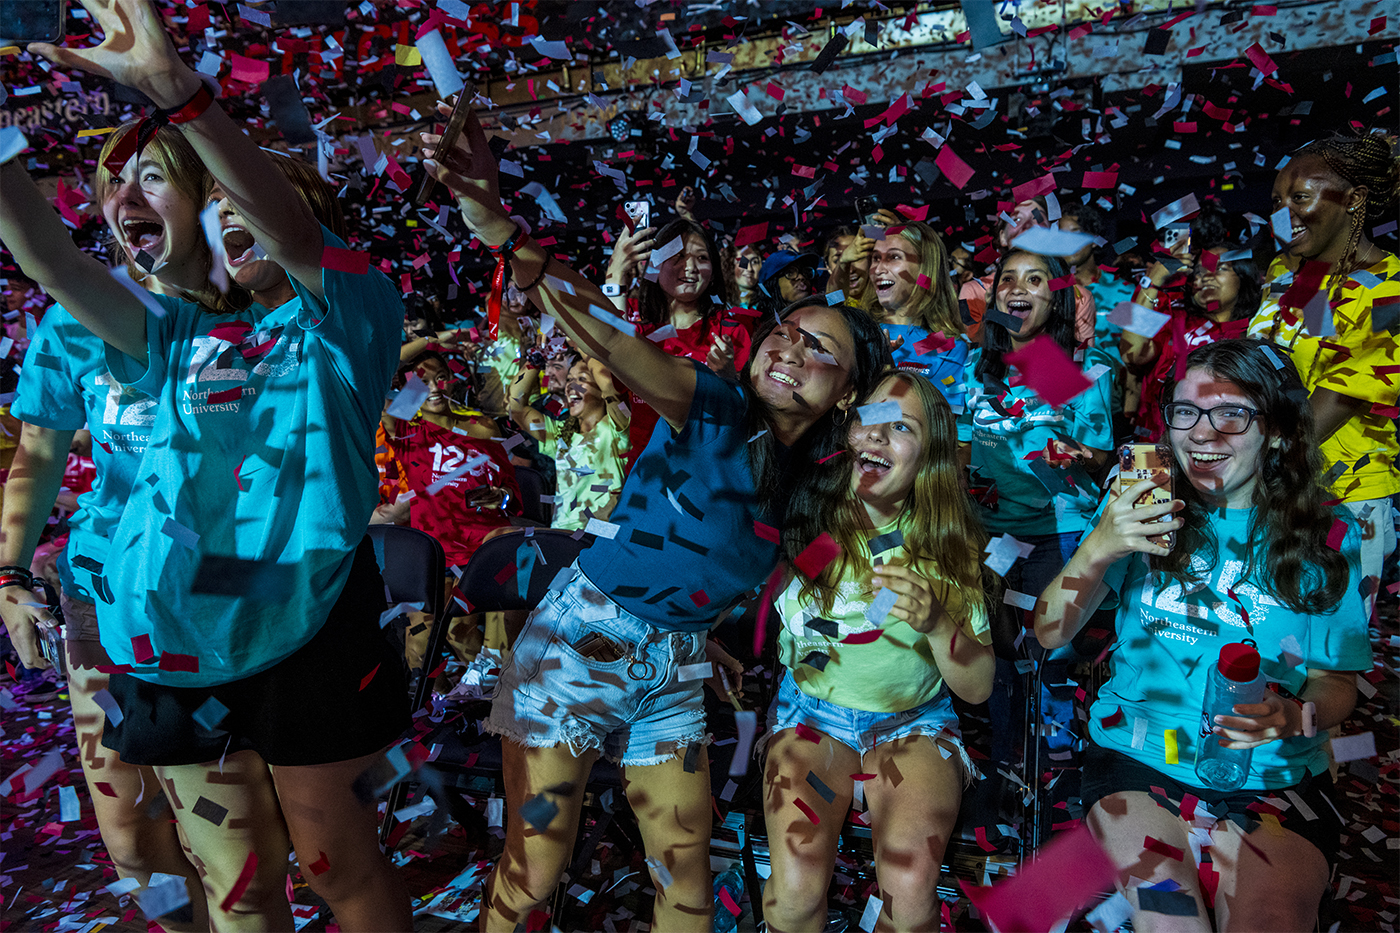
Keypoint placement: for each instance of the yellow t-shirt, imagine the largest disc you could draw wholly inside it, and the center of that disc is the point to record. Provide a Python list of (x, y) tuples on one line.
[(893, 673), (1360, 362), (589, 474)]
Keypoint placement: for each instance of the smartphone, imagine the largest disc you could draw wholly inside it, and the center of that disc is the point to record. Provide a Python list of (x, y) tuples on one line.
[(455, 122), (1176, 238), (32, 20), (1137, 462), (640, 212), (866, 209), (51, 644)]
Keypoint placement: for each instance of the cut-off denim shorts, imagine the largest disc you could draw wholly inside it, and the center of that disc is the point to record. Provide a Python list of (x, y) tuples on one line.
[(862, 730), (635, 710)]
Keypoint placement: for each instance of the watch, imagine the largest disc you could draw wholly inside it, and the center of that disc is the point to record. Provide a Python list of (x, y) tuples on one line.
[(612, 291)]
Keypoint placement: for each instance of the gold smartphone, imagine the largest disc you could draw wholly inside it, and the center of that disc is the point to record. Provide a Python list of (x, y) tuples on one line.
[(455, 122), (1137, 462)]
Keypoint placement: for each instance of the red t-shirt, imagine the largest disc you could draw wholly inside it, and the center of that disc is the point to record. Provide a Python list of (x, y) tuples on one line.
[(692, 343), (422, 455)]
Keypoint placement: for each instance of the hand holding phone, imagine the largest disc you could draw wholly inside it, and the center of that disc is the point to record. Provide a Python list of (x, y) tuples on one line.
[(455, 122), (1137, 462)]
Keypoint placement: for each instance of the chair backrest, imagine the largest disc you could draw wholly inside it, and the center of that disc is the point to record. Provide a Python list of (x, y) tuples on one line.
[(490, 588), (413, 565), (531, 493)]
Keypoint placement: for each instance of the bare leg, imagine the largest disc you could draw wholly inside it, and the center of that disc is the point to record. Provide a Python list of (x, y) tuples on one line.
[(534, 859), (673, 810), (336, 840), (1281, 894), (914, 801), (803, 854), (1121, 822), (138, 844), (252, 823)]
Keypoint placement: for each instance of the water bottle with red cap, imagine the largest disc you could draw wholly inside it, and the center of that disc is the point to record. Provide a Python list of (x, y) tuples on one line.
[(1235, 679)]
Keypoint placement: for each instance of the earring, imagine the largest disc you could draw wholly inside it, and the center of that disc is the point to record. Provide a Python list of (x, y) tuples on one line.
[(837, 420)]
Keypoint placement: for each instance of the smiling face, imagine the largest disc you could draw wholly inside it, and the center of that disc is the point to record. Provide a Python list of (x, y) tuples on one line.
[(1317, 200), (685, 276), (438, 380), (1023, 216), (148, 213), (582, 393), (241, 255), (888, 456), (894, 272), (1215, 292), (803, 367), (1071, 225), (1224, 468), (556, 373), (747, 264), (1023, 291)]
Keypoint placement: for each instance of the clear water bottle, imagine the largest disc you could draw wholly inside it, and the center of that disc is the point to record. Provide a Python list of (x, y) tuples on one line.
[(1235, 679), (732, 882)]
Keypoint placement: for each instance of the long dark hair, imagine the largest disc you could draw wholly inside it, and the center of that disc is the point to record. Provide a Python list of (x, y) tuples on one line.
[(1250, 290), (996, 339), (1288, 554), (776, 495), (656, 307)]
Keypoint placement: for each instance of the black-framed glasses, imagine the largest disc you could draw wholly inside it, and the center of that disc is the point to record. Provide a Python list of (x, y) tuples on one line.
[(1227, 419)]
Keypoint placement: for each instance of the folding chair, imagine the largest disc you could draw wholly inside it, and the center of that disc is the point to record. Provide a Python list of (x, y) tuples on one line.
[(532, 490), (414, 570)]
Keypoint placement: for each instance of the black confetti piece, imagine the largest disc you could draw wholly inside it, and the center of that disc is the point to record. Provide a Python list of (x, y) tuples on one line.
[(211, 811)]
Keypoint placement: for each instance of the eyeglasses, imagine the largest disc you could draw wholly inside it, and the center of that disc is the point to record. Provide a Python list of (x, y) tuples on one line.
[(1227, 419), (793, 273)]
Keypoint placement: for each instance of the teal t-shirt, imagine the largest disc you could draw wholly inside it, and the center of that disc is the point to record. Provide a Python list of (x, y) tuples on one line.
[(1168, 637), (1033, 497), (1108, 292), (262, 450), (944, 368), (686, 548), (64, 386)]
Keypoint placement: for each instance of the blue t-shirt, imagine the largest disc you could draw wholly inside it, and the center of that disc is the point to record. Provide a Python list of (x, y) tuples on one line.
[(1168, 639), (263, 448), (943, 368), (686, 548), (64, 386), (1033, 497), (1108, 293)]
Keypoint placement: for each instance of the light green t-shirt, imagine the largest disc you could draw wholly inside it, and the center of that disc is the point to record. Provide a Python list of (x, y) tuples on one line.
[(895, 672), (590, 474)]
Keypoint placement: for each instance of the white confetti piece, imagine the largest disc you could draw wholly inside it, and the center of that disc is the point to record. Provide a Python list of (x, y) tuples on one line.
[(439, 65), (879, 413), (1050, 241), (694, 671), (1022, 600), (1354, 747), (871, 914), (1139, 732), (12, 143), (880, 606), (410, 398), (68, 810), (1137, 319), (396, 610), (596, 526), (747, 723)]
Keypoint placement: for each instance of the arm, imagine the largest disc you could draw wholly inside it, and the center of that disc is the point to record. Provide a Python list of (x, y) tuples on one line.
[(666, 382), (1333, 693), (137, 52), (617, 409), (525, 417), (1072, 597), (47, 254), (966, 664), (1331, 410), (33, 484)]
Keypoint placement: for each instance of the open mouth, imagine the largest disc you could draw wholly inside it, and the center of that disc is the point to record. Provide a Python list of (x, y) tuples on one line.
[(143, 234), (238, 245), (1018, 307), (1298, 231), (783, 379), (1205, 461), (867, 462)]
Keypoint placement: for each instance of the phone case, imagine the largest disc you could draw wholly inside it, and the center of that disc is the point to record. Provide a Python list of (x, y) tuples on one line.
[(455, 122), (1137, 462)]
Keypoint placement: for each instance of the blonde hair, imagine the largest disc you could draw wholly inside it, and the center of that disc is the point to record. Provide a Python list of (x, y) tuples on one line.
[(934, 308), (943, 537), (187, 174), (318, 195)]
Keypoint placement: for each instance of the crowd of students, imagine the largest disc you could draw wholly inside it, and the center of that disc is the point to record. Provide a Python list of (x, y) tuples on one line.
[(851, 432)]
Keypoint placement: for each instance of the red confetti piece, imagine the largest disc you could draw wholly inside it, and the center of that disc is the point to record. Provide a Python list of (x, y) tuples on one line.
[(170, 661), (807, 732), (368, 677), (954, 168), (1337, 534), (933, 343), (1188, 807), (863, 638), (232, 331), (754, 233), (505, 573), (320, 866), (141, 649), (863, 777), (816, 556), (807, 811), (1115, 719), (699, 598), (105, 788), (766, 532), (1033, 188), (1161, 848), (352, 261), (765, 604), (245, 878), (226, 396), (249, 71), (727, 900), (1260, 59), (1101, 180), (1048, 371), (981, 832)]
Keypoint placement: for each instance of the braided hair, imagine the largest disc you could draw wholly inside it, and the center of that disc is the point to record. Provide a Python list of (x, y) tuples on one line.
[(1366, 160)]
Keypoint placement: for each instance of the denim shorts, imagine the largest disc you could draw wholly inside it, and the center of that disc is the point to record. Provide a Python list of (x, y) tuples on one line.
[(635, 710), (862, 730)]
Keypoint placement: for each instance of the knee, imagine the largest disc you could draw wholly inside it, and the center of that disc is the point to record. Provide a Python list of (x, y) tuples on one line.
[(519, 886), (911, 893), (340, 879), (798, 886)]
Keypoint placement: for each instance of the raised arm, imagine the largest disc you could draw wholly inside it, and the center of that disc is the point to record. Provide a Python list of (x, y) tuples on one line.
[(1072, 597), (137, 52), (666, 382), (528, 419), (46, 252), (30, 491)]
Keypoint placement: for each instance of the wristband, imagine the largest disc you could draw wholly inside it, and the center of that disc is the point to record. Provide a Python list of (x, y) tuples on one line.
[(503, 254), (612, 291), (136, 138), (1309, 720), (537, 279)]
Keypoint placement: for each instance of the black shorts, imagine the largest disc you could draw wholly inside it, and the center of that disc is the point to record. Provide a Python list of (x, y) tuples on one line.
[(316, 706), (1108, 772)]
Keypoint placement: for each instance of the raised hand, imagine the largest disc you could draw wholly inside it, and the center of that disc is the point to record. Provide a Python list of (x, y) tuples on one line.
[(916, 604), (1123, 529), (135, 51), (470, 171), (632, 253)]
